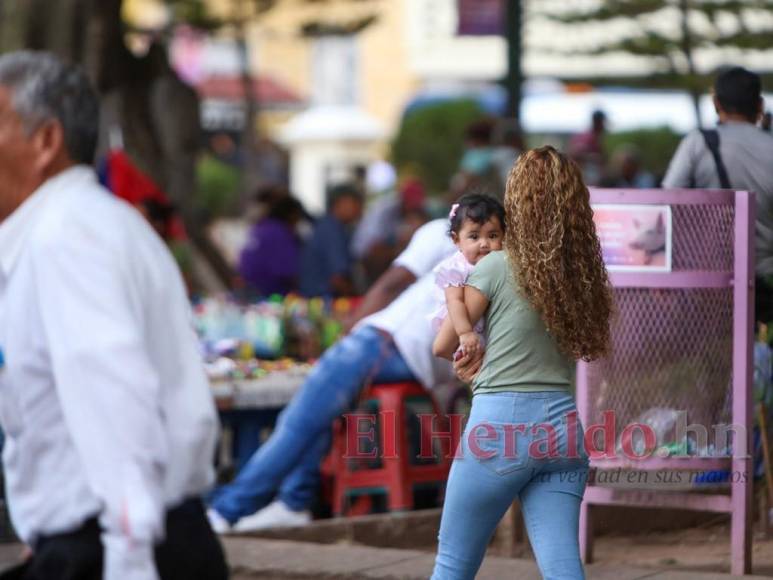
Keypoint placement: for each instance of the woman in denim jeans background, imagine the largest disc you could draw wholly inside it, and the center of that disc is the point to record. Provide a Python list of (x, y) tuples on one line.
[(546, 304)]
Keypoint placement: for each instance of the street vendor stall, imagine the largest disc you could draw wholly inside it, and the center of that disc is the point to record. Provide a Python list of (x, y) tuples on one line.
[(257, 355), (248, 407)]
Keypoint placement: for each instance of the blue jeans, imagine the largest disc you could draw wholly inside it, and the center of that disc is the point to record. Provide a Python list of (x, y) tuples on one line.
[(504, 458), (287, 465)]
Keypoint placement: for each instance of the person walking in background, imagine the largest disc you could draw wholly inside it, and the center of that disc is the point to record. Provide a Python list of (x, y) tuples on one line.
[(509, 147), (270, 261), (479, 167), (626, 170), (109, 421), (326, 259), (736, 155), (390, 219), (587, 149), (546, 303)]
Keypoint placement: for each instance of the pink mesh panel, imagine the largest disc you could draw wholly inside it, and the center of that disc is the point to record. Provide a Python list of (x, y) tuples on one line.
[(702, 237), (673, 348)]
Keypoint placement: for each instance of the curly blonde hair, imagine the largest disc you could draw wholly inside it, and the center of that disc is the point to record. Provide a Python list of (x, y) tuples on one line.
[(554, 252)]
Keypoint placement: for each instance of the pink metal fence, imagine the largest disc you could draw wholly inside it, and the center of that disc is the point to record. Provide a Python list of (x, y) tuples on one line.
[(682, 341)]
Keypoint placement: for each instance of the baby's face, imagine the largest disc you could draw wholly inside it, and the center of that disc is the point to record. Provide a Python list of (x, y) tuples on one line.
[(478, 240)]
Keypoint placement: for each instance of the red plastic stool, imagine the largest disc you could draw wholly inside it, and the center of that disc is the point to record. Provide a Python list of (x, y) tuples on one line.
[(389, 465)]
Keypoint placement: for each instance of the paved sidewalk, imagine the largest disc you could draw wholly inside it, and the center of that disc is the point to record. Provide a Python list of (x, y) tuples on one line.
[(255, 558), (279, 559)]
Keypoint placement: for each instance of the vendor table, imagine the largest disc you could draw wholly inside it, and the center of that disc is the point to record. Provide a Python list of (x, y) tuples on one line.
[(247, 407), (270, 392)]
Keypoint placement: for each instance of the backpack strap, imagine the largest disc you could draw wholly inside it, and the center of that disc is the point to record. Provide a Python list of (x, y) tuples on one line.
[(711, 137)]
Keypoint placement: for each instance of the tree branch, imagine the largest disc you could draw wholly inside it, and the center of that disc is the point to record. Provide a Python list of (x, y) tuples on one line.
[(610, 10)]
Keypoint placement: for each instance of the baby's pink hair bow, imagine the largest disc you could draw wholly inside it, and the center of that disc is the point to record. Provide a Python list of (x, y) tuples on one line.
[(452, 213)]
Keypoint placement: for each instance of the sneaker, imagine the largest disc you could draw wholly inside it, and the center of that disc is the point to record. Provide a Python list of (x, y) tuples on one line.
[(274, 515), (217, 522)]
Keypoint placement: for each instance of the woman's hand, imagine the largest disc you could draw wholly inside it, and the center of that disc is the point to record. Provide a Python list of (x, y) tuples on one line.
[(467, 366)]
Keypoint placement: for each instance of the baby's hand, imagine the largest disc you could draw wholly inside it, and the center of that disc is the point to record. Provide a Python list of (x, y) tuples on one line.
[(469, 342)]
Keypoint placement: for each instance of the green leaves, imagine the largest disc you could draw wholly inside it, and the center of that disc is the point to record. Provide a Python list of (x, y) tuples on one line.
[(431, 139), (747, 40), (741, 24), (610, 10)]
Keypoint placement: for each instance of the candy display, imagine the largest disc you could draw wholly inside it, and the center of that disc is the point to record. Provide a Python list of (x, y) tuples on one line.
[(228, 328), (224, 368), (250, 340)]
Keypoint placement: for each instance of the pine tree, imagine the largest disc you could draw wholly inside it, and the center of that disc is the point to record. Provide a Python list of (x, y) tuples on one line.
[(672, 32)]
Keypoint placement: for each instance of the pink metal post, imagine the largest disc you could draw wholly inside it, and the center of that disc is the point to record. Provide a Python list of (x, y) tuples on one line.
[(586, 523), (682, 341), (743, 319)]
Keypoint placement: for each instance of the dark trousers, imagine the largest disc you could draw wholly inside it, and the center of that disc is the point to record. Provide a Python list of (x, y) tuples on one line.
[(191, 551), (763, 300)]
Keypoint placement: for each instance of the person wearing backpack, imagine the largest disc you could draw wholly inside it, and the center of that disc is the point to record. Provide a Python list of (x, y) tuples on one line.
[(736, 155)]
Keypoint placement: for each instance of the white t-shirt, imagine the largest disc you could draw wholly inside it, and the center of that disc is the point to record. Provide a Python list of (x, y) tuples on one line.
[(406, 319)]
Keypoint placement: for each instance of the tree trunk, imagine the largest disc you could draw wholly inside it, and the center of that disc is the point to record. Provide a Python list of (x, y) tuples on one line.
[(687, 51), (251, 171), (13, 19), (514, 37), (156, 113)]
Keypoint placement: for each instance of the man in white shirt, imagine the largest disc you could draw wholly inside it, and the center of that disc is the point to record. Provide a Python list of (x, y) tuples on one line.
[(109, 421), (392, 343)]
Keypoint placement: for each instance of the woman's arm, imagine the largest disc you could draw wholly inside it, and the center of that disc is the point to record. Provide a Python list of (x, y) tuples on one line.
[(446, 340)]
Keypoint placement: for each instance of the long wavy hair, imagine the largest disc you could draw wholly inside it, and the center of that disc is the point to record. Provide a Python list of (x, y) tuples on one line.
[(554, 252)]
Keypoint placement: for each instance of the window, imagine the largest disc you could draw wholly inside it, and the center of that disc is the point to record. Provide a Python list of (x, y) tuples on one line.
[(335, 70)]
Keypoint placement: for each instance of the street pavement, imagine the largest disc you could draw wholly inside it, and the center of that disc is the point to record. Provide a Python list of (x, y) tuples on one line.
[(276, 559), (257, 558)]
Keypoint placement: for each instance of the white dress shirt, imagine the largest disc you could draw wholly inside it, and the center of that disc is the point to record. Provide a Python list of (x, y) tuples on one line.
[(103, 399)]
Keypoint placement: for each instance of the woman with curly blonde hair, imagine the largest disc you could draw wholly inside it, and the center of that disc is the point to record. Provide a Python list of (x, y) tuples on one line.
[(546, 303)]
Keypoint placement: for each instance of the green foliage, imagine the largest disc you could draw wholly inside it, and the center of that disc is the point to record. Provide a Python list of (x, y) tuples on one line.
[(655, 146), (432, 140), (218, 186), (674, 49), (611, 9)]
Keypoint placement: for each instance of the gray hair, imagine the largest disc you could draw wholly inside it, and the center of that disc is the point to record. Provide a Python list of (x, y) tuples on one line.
[(43, 88)]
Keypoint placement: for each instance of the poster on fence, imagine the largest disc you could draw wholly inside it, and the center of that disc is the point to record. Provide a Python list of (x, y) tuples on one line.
[(634, 238)]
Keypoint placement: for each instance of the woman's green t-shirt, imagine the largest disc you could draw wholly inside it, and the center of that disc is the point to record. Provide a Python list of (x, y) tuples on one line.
[(520, 354)]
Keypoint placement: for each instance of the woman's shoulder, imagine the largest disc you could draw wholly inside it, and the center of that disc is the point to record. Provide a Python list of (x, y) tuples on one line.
[(493, 262), (489, 273)]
